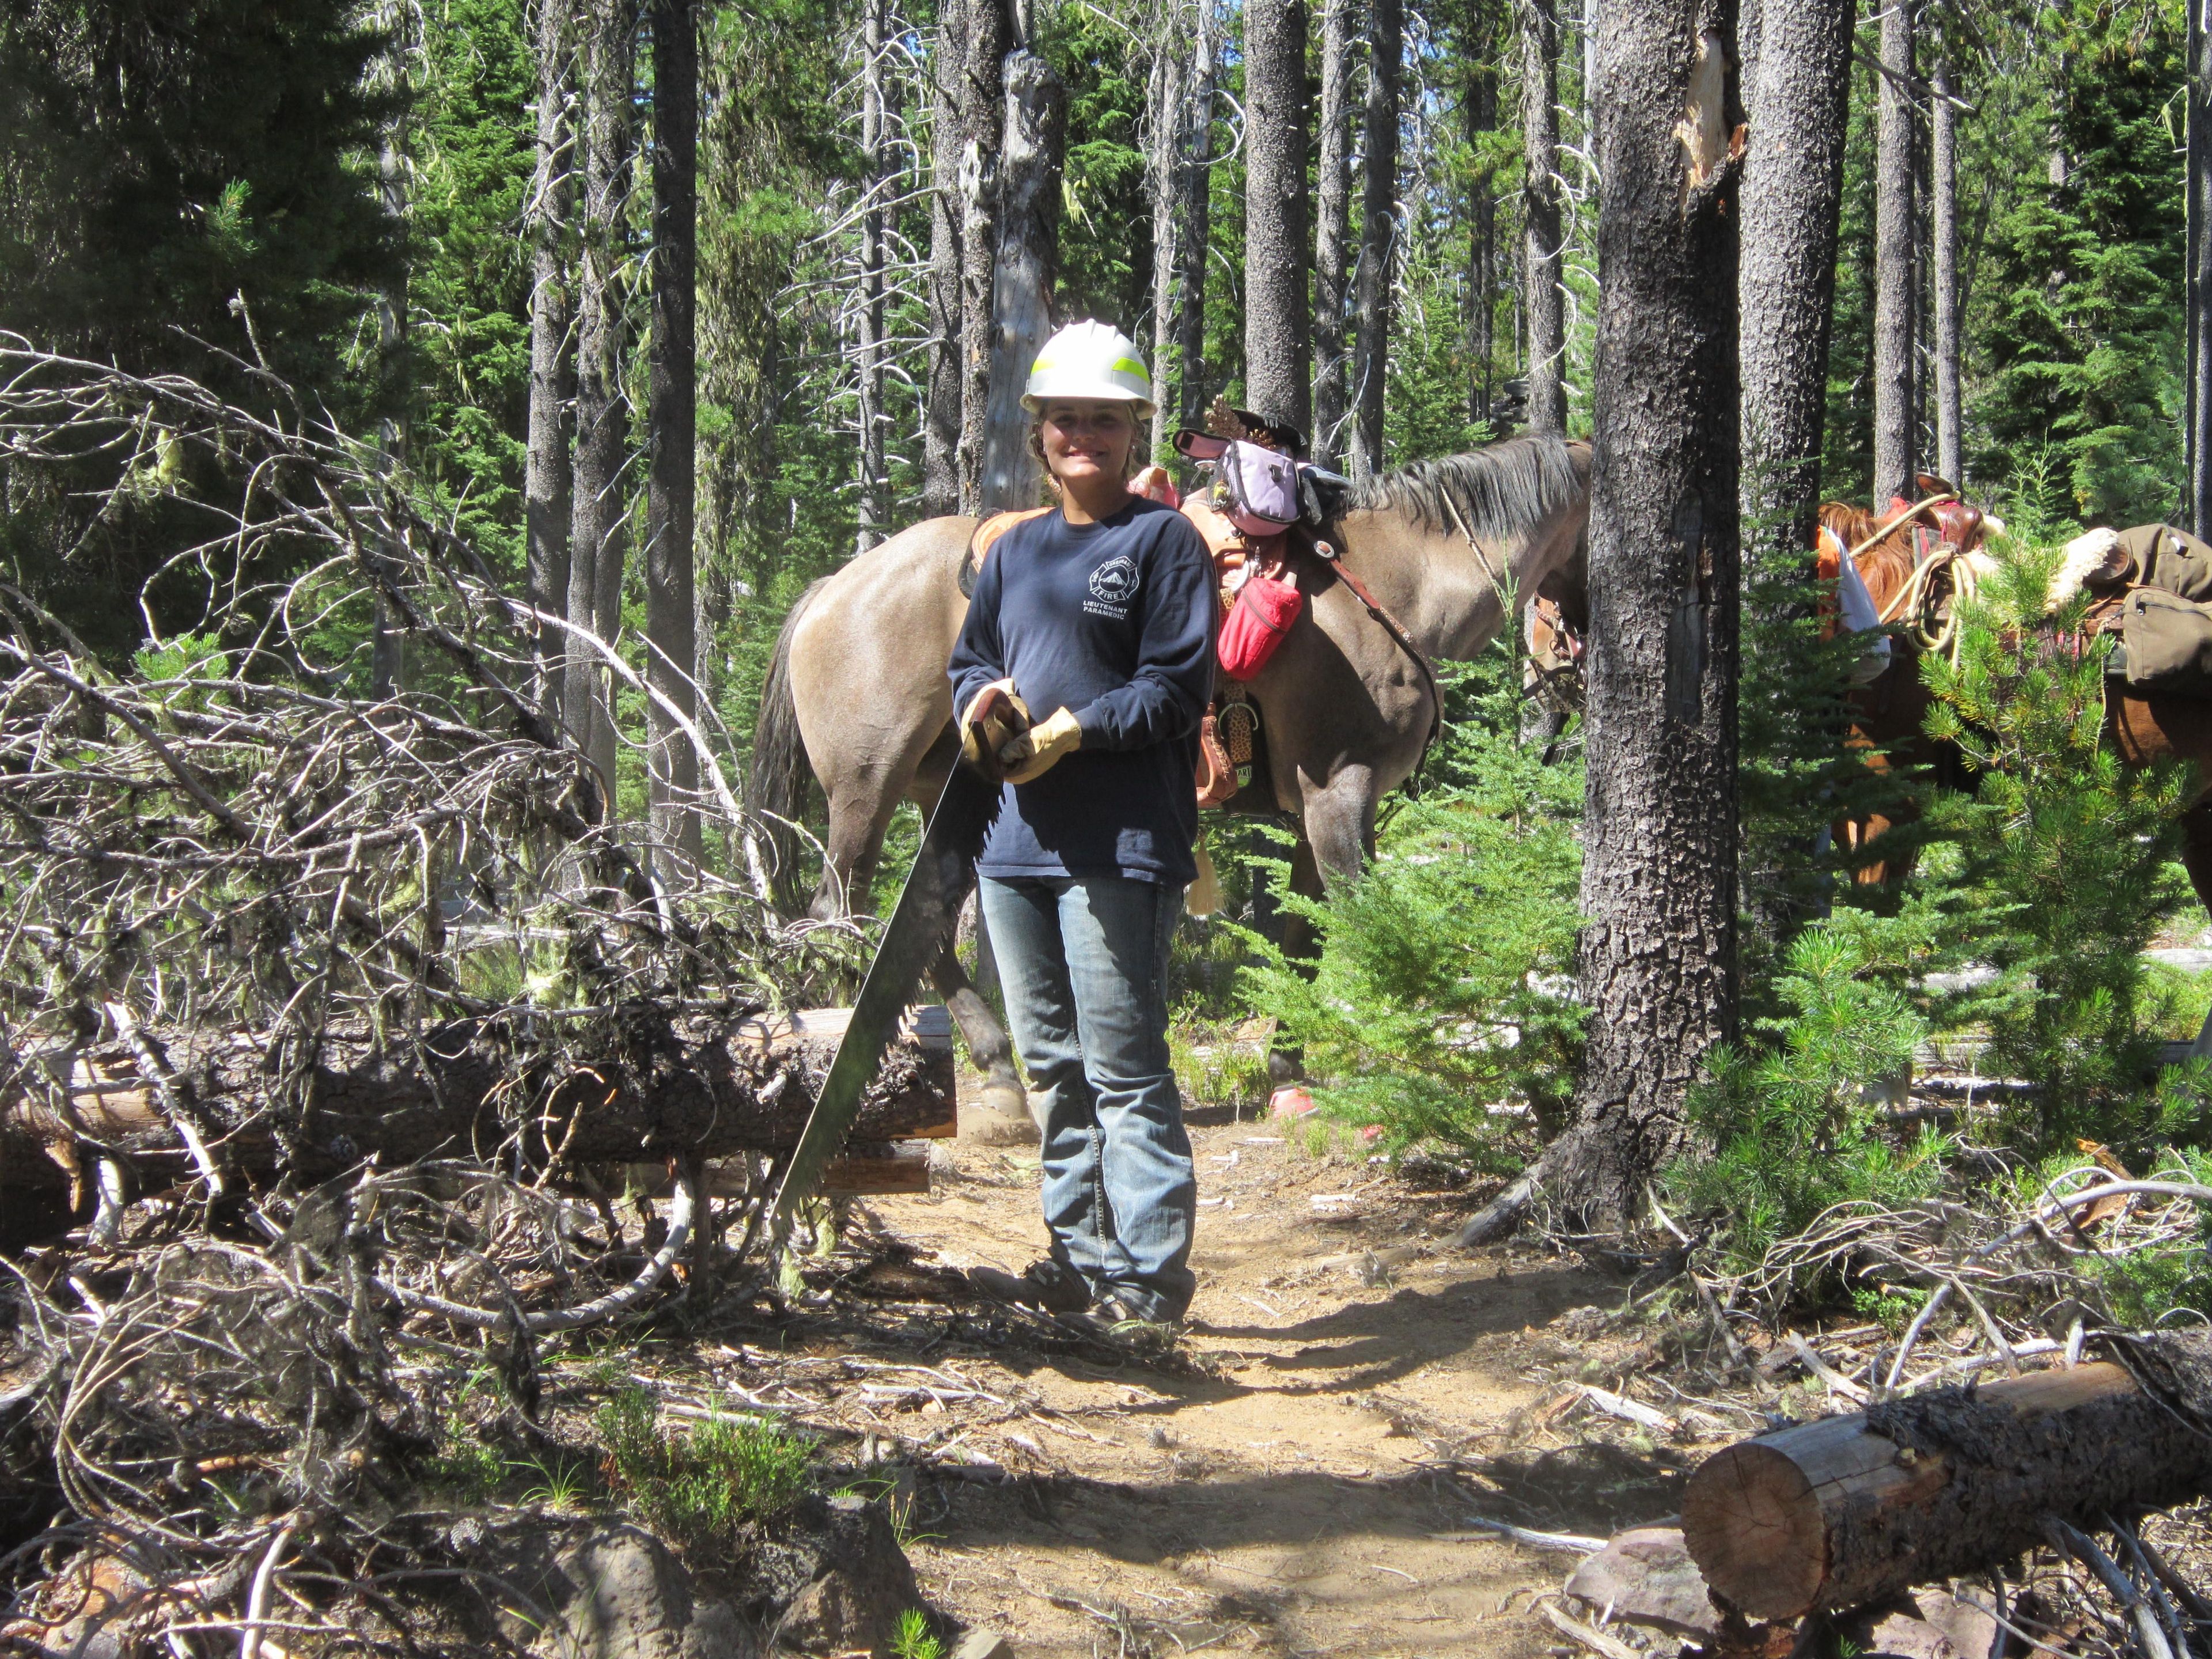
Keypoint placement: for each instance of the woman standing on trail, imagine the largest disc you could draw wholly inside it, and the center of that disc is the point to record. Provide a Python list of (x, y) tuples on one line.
[(1102, 613)]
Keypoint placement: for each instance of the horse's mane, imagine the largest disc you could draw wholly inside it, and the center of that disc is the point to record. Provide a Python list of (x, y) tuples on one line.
[(1887, 566), (1495, 493)]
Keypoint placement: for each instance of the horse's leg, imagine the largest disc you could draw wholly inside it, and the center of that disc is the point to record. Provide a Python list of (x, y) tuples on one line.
[(2197, 858), (1287, 1062), (1002, 1117), (860, 811), (1339, 834)]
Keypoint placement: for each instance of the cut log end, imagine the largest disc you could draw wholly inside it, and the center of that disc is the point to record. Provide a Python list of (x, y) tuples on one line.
[(1752, 1523)]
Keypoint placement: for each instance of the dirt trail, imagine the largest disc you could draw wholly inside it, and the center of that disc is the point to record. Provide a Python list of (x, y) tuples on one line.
[(1284, 1494)]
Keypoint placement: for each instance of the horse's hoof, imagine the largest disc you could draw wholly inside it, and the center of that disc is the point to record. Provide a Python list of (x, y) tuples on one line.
[(1000, 1118)]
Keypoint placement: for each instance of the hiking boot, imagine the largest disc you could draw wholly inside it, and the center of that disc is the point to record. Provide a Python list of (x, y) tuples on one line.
[(1116, 1319), (1052, 1286)]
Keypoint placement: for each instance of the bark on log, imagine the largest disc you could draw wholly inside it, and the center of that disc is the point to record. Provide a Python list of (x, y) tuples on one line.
[(648, 1087), (1851, 1509)]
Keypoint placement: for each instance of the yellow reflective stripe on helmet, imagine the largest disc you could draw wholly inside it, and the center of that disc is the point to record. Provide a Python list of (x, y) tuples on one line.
[(1132, 364)]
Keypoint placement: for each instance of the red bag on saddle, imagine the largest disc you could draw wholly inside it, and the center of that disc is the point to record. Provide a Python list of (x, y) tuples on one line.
[(1257, 623)]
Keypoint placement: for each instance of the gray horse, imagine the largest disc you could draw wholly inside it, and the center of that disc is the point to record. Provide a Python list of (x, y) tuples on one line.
[(857, 690)]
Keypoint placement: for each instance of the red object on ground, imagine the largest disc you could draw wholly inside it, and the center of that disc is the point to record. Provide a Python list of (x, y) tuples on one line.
[(1291, 1102), (1258, 623)]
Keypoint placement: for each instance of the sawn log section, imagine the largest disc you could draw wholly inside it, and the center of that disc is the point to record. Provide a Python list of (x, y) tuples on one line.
[(639, 1086), (1851, 1509)]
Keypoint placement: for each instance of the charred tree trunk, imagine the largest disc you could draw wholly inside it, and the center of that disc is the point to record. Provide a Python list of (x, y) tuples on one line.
[(1333, 234), (598, 536), (1658, 955), (1278, 324), (1793, 185), (1480, 106), (1849, 1510), (871, 503), (1030, 165), (982, 94), (672, 391), (1894, 416), (1163, 181), (2199, 261), (1197, 220), (940, 436), (1545, 304), (1379, 232), (552, 349), (1943, 229)]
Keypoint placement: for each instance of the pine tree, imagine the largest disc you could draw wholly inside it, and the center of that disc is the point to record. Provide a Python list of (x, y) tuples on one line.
[(2086, 340)]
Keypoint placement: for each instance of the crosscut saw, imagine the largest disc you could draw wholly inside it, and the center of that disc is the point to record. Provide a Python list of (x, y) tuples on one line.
[(921, 926)]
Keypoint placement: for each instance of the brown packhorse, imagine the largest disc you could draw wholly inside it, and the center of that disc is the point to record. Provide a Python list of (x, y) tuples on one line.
[(1914, 563), (857, 697)]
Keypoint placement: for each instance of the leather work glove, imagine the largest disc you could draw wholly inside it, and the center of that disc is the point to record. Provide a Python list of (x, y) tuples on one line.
[(995, 718), (1037, 750)]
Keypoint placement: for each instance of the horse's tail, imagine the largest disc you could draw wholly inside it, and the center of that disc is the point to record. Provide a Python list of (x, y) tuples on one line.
[(776, 783)]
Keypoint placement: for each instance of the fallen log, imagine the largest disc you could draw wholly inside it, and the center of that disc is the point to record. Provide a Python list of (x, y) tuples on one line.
[(636, 1085), (1851, 1509)]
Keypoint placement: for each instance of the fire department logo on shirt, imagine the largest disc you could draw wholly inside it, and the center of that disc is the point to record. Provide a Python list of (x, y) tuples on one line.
[(1112, 585)]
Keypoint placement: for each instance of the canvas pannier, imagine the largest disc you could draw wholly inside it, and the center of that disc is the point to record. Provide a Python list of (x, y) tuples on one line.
[(2169, 644)]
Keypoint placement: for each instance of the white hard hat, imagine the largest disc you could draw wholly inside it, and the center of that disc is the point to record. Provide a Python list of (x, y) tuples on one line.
[(1090, 360)]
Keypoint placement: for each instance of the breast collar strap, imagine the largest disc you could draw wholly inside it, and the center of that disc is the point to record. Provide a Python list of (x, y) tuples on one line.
[(1404, 640)]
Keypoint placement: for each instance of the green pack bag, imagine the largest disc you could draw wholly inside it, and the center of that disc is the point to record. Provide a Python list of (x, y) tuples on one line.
[(2169, 644)]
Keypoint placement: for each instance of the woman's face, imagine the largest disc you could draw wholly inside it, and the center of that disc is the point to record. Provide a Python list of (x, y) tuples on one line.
[(1087, 438)]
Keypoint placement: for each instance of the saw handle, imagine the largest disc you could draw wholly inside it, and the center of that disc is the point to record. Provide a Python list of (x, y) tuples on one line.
[(997, 719)]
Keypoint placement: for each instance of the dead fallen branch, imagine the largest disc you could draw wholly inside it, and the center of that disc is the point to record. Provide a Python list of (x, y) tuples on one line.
[(529, 1090)]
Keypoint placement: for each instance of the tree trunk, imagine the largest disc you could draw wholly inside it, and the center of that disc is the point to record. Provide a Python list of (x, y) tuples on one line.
[(1894, 416), (387, 644), (1848, 1511), (1659, 837), (1163, 183), (871, 503), (2199, 261), (1197, 220), (1480, 109), (1379, 232), (652, 1088), (1943, 194), (1278, 324), (672, 391), (1539, 216), (552, 350), (1793, 186), (982, 94), (941, 438), (1333, 234), (1030, 165), (599, 525)]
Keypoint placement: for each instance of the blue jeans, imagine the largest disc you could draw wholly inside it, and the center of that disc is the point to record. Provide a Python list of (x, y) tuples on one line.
[(1084, 962)]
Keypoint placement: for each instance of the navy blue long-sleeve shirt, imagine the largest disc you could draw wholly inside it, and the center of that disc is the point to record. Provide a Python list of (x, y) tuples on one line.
[(1114, 622)]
